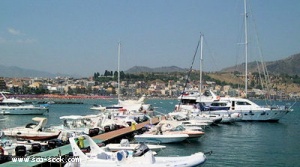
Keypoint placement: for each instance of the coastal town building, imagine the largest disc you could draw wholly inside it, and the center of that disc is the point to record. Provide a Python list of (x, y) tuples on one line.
[(156, 88)]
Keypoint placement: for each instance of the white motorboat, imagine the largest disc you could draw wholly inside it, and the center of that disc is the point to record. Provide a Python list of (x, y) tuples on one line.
[(236, 109), (130, 102), (74, 125), (141, 156), (126, 145), (188, 100), (246, 110), (33, 131), (12, 106), (14, 148), (161, 138), (197, 117), (7, 147), (167, 127), (98, 107)]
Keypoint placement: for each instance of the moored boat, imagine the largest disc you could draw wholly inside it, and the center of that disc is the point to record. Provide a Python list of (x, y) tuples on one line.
[(141, 156), (161, 138), (126, 145), (12, 106), (33, 131)]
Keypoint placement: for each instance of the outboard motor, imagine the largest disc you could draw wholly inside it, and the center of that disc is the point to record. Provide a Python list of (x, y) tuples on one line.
[(137, 119), (20, 151), (59, 142), (140, 150), (121, 126), (107, 128), (51, 144), (144, 129), (5, 158), (92, 132), (113, 127), (36, 147), (97, 130), (129, 123)]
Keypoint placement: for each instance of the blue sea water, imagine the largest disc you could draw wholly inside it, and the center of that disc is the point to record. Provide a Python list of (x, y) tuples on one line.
[(256, 144)]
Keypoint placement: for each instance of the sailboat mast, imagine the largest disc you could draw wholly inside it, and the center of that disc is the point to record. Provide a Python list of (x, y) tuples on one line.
[(119, 54), (246, 48), (201, 63)]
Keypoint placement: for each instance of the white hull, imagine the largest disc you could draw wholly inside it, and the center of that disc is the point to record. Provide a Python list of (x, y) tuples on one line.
[(118, 147), (261, 115), (196, 159), (32, 131), (30, 134), (249, 111), (23, 110), (10, 149), (99, 108), (165, 138), (142, 156)]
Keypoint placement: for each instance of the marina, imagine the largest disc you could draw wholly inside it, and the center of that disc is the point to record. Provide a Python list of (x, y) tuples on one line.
[(268, 144), (65, 150)]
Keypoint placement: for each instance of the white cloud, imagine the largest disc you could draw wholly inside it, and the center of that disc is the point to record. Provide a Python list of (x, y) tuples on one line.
[(14, 31)]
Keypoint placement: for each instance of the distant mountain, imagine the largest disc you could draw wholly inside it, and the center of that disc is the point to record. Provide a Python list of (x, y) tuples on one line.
[(13, 71), (139, 69), (288, 66)]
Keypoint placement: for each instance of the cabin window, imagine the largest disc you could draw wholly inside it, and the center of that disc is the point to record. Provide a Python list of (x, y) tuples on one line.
[(218, 104), (242, 103), (186, 101)]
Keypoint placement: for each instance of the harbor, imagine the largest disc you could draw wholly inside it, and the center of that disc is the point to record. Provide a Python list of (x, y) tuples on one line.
[(234, 143), (111, 136)]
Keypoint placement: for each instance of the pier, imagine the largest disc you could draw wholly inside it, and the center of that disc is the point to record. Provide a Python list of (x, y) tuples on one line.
[(66, 149)]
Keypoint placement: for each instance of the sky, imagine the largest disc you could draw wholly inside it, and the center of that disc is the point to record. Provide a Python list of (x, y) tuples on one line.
[(81, 37)]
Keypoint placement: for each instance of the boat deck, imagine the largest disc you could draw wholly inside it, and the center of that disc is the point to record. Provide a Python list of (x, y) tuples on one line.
[(117, 133), (64, 150)]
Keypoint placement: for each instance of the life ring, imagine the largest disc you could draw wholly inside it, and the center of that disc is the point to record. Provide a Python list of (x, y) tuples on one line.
[(218, 97)]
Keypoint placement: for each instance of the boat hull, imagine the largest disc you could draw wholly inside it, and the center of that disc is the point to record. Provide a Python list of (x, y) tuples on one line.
[(147, 138), (262, 115), (24, 110), (31, 135), (142, 156), (117, 147)]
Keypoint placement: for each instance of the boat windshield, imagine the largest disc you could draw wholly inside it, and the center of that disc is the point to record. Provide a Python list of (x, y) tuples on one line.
[(178, 128)]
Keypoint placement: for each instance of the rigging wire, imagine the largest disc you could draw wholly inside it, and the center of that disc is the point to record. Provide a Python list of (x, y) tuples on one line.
[(262, 65), (190, 70)]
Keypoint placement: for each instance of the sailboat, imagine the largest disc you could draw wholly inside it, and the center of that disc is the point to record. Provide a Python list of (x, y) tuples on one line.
[(243, 107), (125, 105)]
